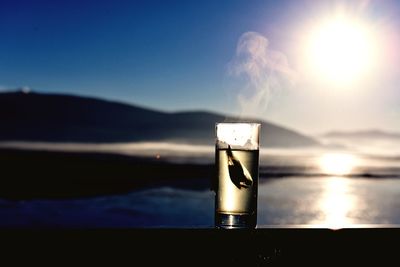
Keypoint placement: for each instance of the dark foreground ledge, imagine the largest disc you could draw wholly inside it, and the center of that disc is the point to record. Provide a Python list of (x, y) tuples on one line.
[(204, 247)]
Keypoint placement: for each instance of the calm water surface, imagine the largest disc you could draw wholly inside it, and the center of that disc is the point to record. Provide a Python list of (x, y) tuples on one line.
[(328, 190), (321, 201)]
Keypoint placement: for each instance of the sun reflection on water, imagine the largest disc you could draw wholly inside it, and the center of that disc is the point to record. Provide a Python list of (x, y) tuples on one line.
[(336, 202)]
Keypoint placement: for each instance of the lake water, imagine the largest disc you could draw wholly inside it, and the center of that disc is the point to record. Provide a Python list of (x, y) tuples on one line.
[(318, 201), (317, 189)]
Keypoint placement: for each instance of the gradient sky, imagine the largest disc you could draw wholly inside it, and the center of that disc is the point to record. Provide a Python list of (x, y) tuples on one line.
[(174, 55)]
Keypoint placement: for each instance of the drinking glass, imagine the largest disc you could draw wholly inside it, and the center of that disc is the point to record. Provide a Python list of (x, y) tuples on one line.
[(236, 184)]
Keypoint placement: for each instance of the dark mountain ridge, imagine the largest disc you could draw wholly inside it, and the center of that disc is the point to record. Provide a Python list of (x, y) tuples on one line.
[(67, 118)]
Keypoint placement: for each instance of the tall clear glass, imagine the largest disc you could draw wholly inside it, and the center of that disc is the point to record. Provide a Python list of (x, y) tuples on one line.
[(236, 186)]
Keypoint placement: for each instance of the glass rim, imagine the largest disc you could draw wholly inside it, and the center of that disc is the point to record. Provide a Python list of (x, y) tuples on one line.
[(239, 122), (239, 134)]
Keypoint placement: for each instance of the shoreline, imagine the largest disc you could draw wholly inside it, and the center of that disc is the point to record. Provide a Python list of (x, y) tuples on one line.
[(33, 173), (28, 174)]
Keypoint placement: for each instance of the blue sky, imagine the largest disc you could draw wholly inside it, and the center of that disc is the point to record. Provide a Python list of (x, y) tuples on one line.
[(171, 55)]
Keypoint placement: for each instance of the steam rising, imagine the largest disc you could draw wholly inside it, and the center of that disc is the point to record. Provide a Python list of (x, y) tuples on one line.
[(263, 71)]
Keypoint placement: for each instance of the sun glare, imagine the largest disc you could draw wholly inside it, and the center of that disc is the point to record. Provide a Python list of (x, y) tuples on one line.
[(340, 50), (337, 163), (337, 203)]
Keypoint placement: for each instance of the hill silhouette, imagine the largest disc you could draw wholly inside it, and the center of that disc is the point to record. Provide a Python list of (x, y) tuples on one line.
[(31, 116)]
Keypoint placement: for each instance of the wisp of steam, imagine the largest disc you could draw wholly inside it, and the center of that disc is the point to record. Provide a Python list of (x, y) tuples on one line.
[(263, 72)]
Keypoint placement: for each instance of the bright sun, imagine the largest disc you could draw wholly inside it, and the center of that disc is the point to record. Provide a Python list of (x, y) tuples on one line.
[(340, 50)]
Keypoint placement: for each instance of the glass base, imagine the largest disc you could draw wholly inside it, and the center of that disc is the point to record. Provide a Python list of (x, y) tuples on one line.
[(235, 221)]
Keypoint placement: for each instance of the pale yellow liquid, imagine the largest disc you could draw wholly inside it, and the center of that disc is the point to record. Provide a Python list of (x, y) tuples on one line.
[(229, 198)]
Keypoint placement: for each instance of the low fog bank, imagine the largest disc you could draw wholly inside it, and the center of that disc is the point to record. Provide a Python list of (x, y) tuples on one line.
[(193, 153)]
